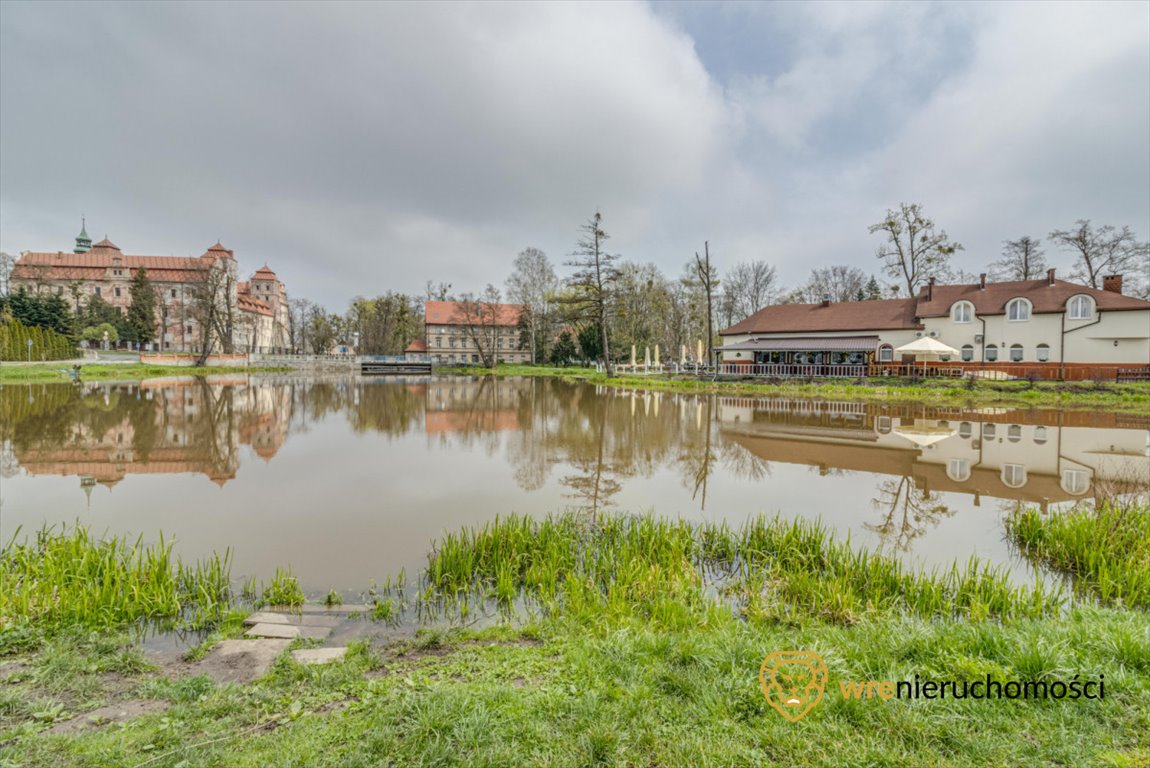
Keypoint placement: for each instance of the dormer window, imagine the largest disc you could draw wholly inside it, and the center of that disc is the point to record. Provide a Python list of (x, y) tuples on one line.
[(1018, 310), (1080, 308), (962, 312)]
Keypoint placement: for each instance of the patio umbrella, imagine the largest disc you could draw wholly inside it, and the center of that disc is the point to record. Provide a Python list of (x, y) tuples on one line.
[(926, 346), (923, 435)]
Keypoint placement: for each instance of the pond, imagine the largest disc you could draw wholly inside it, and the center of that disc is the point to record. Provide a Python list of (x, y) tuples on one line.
[(347, 480)]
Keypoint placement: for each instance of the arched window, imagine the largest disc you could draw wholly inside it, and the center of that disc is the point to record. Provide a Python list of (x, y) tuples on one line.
[(883, 425), (991, 353), (885, 353), (1039, 435), (1014, 475), (967, 353), (962, 312), (1016, 353), (988, 431), (964, 430), (1014, 433), (1042, 353), (1075, 481), (1080, 308), (1018, 309), (958, 470)]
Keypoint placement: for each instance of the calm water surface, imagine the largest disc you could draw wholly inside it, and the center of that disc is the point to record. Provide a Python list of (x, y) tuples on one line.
[(348, 480)]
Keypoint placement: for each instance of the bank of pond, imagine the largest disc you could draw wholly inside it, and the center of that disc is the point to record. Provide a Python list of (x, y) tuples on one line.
[(586, 638)]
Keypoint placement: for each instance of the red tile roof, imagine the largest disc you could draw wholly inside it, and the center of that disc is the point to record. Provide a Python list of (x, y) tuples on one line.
[(263, 273), (94, 265), (1044, 296), (449, 313), (419, 345), (888, 314), (248, 303), (892, 314)]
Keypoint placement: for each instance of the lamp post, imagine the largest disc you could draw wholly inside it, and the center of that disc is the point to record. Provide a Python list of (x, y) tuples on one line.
[(29, 343)]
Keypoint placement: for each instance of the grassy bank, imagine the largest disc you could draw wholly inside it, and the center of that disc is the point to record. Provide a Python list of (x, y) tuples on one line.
[(1127, 397), (1105, 550), (643, 648), (102, 371)]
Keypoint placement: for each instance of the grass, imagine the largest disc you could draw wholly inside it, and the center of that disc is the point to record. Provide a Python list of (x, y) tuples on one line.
[(1129, 397), (643, 649), (68, 577), (1106, 549), (102, 371), (670, 572)]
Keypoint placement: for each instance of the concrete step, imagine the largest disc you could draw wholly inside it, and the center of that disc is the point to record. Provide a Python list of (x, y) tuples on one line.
[(288, 631), (307, 619), (318, 655)]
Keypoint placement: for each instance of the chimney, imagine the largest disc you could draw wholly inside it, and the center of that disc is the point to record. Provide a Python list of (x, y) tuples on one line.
[(930, 290), (1112, 283), (826, 300), (1050, 276), (982, 282)]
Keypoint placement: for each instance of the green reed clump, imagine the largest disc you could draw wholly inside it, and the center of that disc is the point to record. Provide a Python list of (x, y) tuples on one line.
[(68, 576), (284, 589), (677, 571), (1105, 547)]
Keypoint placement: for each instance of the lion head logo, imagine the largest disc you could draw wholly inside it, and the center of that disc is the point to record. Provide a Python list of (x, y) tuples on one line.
[(793, 682)]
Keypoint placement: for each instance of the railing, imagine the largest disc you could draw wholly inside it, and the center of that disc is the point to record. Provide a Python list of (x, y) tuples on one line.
[(784, 370)]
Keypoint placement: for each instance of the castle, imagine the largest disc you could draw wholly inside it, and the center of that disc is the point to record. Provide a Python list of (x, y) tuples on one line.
[(248, 316)]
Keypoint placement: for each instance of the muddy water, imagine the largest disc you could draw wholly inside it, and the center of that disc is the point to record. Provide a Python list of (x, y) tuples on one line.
[(349, 480)]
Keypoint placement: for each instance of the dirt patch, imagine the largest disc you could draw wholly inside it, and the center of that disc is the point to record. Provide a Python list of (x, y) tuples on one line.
[(113, 713)]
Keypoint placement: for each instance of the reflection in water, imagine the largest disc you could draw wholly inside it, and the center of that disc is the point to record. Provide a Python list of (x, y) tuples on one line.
[(378, 467)]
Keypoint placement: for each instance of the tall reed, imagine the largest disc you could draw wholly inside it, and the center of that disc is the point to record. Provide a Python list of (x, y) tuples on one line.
[(68, 576), (678, 571)]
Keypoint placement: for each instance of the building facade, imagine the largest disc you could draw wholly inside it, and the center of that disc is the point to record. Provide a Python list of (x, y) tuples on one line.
[(254, 313), (453, 335), (1049, 328)]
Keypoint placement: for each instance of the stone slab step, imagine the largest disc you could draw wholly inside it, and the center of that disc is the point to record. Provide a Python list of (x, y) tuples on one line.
[(240, 661), (318, 655), (308, 619), (320, 609), (288, 631)]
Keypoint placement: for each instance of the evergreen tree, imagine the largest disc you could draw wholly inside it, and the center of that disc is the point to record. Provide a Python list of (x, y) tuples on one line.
[(141, 320), (873, 290), (564, 350)]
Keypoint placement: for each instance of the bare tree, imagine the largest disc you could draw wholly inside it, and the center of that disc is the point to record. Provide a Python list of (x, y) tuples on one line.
[(840, 282), (708, 279), (1103, 251), (748, 287), (213, 306), (482, 320), (1022, 259), (533, 284), (593, 281), (913, 251), (437, 292), (7, 262)]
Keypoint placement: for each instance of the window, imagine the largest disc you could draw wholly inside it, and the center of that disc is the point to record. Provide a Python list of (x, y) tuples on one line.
[(991, 353), (117, 290), (967, 353), (1080, 308), (1016, 353), (885, 353), (964, 430), (1042, 353), (962, 312), (173, 293), (884, 425), (988, 431), (1014, 433), (958, 470), (1075, 481), (1017, 310), (1039, 435), (1014, 475), (97, 290), (438, 341)]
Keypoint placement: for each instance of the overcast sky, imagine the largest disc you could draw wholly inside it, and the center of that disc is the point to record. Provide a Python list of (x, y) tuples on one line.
[(359, 148)]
